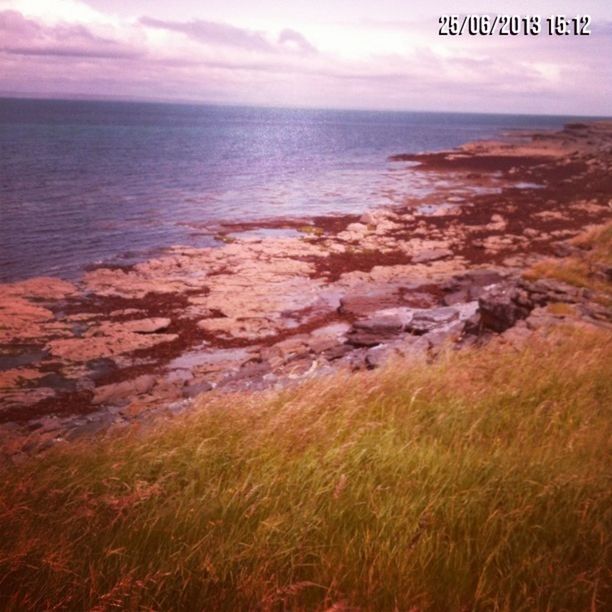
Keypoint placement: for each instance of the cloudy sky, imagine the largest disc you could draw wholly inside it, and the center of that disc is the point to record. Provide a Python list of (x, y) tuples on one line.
[(307, 53)]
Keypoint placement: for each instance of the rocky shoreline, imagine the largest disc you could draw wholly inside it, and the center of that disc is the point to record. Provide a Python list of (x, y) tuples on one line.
[(126, 344)]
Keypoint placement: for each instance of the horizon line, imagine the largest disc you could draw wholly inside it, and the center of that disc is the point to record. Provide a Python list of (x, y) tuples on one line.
[(78, 97)]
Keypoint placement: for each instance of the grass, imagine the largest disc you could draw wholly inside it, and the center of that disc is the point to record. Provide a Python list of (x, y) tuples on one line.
[(587, 269), (481, 482)]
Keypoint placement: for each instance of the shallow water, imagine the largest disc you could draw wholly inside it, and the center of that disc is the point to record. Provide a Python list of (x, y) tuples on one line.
[(84, 182)]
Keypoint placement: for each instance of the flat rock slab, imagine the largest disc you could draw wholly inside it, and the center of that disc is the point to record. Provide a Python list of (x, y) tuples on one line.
[(148, 326)]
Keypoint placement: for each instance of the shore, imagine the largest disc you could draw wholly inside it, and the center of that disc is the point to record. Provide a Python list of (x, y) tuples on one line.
[(126, 344)]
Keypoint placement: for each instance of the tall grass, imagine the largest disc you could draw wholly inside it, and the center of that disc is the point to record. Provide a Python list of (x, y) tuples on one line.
[(588, 268), (481, 482)]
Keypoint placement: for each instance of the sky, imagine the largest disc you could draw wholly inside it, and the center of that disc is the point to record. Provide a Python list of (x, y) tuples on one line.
[(383, 55)]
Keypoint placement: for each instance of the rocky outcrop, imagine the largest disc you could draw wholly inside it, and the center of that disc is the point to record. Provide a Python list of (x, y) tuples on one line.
[(500, 308), (441, 269)]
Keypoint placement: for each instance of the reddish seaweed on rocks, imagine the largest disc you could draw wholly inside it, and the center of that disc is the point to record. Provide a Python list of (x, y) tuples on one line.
[(125, 343)]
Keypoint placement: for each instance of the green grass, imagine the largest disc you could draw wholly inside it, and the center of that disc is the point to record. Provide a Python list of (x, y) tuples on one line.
[(481, 482)]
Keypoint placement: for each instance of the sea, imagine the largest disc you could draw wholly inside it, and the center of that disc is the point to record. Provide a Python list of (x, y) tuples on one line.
[(88, 182)]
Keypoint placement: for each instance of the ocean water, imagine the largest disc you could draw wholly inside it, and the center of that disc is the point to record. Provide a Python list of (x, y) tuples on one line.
[(84, 182)]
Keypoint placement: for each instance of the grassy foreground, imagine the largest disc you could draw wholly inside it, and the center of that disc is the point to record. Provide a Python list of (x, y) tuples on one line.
[(478, 483)]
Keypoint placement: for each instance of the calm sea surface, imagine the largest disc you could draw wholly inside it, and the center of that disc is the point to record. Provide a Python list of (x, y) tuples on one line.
[(85, 182)]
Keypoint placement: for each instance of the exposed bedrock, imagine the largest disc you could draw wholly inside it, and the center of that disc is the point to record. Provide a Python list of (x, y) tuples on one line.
[(444, 269)]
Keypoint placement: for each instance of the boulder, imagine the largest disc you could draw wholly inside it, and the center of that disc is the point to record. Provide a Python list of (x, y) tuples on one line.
[(499, 308)]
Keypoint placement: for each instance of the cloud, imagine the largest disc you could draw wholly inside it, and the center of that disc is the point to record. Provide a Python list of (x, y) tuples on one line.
[(225, 35), (355, 64), (22, 36), (294, 40)]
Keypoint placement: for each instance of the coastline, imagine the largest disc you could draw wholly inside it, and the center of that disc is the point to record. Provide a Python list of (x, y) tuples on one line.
[(129, 343)]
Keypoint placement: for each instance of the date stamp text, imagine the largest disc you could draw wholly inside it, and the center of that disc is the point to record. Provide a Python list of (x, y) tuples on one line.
[(514, 25)]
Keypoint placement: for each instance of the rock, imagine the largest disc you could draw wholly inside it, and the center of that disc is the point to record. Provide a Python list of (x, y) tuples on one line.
[(498, 223), (599, 312), (540, 318), (469, 286), (518, 335), (337, 352), (40, 287), (499, 310), (369, 218), (439, 337), (431, 255), (45, 424), (378, 356), (90, 427), (283, 351), (424, 321), (110, 343), (546, 290), (364, 339), (325, 338), (365, 300), (255, 369), (358, 228), (196, 389), (382, 324), (109, 394), (148, 326)]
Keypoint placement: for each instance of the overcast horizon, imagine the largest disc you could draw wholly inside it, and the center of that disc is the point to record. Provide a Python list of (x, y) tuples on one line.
[(349, 55)]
